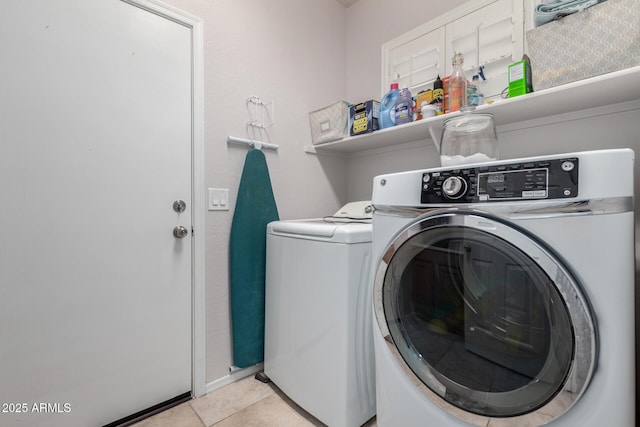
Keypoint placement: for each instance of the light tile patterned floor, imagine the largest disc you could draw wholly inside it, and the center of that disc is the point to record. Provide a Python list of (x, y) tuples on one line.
[(245, 403)]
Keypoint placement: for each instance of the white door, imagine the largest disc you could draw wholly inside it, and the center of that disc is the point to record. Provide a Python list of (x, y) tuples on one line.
[(95, 147)]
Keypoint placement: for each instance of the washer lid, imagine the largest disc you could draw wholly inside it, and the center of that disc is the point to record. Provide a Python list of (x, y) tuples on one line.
[(320, 229)]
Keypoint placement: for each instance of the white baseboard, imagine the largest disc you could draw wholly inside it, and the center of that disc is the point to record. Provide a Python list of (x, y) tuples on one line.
[(235, 374)]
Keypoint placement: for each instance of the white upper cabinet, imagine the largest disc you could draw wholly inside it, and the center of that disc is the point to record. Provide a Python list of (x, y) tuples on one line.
[(417, 62), (489, 33), (491, 37)]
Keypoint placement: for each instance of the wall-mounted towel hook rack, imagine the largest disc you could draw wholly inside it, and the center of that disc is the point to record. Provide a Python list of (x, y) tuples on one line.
[(261, 113), (252, 143), (261, 117)]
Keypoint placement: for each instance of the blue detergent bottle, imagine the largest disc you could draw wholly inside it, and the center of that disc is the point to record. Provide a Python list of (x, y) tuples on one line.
[(404, 107), (387, 116)]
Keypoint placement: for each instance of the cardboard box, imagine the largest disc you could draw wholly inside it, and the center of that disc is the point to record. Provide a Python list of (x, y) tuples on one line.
[(519, 76), (425, 96), (598, 40), (329, 123), (445, 98), (363, 117)]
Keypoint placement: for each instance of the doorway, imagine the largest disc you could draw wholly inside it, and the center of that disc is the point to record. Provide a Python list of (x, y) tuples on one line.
[(100, 126)]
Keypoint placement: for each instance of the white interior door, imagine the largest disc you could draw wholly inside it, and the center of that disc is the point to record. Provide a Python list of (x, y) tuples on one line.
[(95, 147)]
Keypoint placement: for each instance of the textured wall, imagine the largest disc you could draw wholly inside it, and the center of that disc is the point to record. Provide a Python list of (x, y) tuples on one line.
[(291, 52)]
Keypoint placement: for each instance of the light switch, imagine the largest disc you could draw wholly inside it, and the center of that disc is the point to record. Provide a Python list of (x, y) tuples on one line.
[(218, 199)]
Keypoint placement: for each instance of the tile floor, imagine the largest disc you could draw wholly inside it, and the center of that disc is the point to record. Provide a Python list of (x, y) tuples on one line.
[(245, 403)]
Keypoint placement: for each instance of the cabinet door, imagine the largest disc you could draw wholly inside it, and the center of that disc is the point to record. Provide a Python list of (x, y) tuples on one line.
[(491, 37), (415, 61)]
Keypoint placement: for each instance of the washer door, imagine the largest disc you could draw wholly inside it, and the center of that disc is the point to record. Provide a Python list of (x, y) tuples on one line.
[(485, 316)]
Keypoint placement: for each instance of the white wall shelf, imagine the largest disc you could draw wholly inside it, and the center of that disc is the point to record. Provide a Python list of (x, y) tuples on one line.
[(607, 89)]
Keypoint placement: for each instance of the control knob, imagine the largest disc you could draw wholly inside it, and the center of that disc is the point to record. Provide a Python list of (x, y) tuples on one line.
[(454, 187)]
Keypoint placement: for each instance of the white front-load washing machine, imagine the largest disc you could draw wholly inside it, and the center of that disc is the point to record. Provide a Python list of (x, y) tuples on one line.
[(504, 293), (318, 330)]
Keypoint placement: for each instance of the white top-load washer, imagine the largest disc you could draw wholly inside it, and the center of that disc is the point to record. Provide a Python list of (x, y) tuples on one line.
[(318, 331), (504, 293)]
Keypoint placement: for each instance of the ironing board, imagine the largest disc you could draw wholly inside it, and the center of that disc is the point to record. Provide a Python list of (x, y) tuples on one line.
[(255, 208)]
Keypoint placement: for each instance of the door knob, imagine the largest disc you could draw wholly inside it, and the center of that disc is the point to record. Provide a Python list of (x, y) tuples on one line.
[(179, 206), (180, 232)]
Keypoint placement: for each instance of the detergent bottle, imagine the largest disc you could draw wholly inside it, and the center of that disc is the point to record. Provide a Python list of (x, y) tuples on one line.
[(387, 116), (404, 107)]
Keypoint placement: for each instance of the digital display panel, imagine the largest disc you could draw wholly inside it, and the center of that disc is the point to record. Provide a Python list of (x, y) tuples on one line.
[(519, 184), (544, 179)]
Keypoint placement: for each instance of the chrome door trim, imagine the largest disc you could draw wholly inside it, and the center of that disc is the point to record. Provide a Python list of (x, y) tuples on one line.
[(584, 359), (525, 209)]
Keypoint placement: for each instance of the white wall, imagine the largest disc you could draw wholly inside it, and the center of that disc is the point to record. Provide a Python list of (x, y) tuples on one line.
[(293, 53)]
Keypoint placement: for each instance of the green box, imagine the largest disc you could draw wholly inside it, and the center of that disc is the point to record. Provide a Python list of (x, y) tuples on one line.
[(519, 78)]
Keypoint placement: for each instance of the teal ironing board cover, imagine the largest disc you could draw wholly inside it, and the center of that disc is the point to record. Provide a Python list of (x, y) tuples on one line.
[(255, 208)]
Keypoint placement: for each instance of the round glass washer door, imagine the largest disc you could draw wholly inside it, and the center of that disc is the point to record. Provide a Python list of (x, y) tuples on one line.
[(485, 316)]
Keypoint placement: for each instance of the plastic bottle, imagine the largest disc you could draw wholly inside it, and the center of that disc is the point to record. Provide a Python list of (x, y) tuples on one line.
[(438, 96), (404, 107), (474, 97), (457, 85), (472, 93), (387, 116)]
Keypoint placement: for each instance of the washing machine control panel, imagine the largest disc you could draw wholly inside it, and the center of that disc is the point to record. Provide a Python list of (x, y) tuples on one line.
[(544, 179)]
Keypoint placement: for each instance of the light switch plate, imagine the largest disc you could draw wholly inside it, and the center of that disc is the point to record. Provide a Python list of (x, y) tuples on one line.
[(218, 199)]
